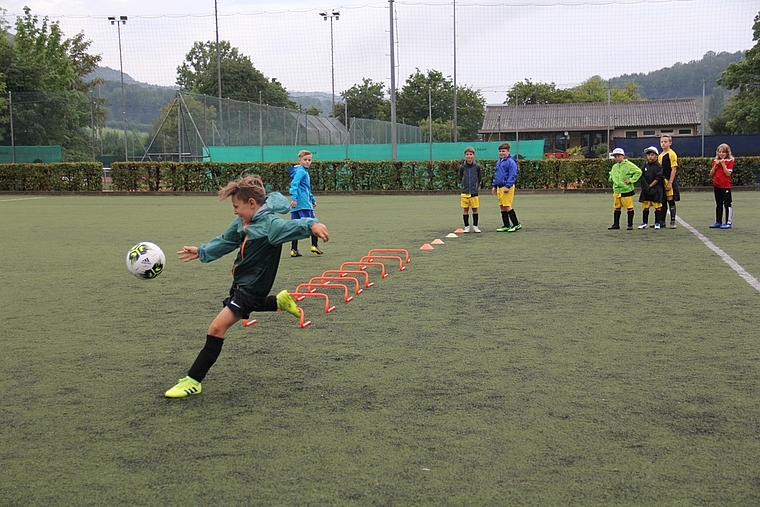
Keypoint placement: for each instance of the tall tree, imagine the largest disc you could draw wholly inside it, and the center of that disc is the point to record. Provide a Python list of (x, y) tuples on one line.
[(594, 89), (742, 114), (365, 100), (240, 79), (528, 92), (6, 52), (412, 104), (46, 72)]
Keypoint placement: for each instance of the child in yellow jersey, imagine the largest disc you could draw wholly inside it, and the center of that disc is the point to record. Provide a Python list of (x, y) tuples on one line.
[(669, 162)]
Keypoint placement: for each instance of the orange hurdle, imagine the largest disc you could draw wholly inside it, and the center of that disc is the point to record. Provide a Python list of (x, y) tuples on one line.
[(343, 273), (398, 250), (401, 266), (309, 286), (326, 279), (362, 265), (301, 295)]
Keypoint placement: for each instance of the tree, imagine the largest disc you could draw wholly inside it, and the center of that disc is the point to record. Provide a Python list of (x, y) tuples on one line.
[(527, 92), (594, 89), (742, 114), (412, 104), (5, 56), (443, 130), (240, 79), (365, 100), (46, 71)]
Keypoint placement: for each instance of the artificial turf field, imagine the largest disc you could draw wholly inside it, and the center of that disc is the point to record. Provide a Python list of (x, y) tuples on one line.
[(563, 364)]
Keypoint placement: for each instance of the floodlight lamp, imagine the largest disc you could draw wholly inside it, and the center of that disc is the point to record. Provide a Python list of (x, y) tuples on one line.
[(123, 20), (112, 19)]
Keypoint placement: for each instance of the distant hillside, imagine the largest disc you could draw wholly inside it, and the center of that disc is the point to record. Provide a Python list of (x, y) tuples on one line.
[(682, 80), (319, 99), (109, 74)]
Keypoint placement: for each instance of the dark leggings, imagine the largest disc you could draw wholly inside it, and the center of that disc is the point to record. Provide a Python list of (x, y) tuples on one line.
[(722, 200)]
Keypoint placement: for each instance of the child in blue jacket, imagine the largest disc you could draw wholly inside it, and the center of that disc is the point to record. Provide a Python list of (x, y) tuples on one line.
[(503, 187), (302, 202)]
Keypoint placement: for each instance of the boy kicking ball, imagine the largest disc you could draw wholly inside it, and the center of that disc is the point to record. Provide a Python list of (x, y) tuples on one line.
[(258, 234)]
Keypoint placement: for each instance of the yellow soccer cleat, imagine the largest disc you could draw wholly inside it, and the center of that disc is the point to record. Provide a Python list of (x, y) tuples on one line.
[(286, 303), (185, 387)]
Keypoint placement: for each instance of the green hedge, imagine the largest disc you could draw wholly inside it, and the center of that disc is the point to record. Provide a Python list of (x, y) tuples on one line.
[(337, 176), (63, 177), (351, 176)]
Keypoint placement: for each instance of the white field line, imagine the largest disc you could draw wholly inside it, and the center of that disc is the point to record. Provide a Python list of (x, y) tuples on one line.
[(21, 199), (723, 255)]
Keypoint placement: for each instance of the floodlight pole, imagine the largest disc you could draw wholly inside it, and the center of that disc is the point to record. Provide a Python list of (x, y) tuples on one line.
[(394, 140), (118, 22), (218, 74), (456, 130), (336, 16)]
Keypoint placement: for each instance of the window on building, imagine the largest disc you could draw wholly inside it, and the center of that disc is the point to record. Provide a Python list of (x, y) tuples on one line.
[(684, 132), (648, 133), (666, 131), (631, 134)]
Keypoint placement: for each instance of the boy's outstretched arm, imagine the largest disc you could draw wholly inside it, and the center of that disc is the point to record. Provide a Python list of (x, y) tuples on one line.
[(318, 229), (189, 253)]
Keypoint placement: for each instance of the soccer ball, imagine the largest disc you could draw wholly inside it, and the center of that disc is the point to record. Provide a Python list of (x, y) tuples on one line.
[(145, 260)]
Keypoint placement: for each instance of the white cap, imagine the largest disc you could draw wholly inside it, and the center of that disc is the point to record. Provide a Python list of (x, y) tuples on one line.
[(651, 149), (618, 151)]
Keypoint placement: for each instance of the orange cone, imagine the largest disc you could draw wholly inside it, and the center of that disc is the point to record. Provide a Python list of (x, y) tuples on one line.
[(426, 246), (459, 231), (437, 242)]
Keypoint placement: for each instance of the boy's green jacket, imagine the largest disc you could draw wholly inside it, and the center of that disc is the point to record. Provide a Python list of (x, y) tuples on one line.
[(619, 172), (260, 243)]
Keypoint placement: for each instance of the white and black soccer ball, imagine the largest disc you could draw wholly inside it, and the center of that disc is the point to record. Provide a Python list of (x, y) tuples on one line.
[(145, 260)]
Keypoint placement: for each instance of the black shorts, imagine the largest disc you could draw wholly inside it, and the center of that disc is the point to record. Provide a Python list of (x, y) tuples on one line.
[(242, 305)]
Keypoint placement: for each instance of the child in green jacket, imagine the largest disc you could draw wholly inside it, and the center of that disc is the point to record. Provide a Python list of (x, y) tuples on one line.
[(623, 175)]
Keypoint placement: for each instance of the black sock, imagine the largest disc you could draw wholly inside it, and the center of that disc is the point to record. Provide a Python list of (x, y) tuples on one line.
[(672, 206), (466, 219), (294, 245), (206, 358), (659, 216), (513, 216), (505, 218), (630, 217), (475, 219), (314, 240), (645, 216), (616, 218)]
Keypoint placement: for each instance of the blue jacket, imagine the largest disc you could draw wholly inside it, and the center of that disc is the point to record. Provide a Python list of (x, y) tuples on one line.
[(300, 188), (469, 178), (260, 243), (505, 174)]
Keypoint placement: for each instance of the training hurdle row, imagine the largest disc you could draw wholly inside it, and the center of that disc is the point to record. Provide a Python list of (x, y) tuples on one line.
[(343, 278)]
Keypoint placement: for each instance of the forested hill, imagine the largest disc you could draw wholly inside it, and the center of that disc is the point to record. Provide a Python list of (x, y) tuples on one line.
[(682, 80)]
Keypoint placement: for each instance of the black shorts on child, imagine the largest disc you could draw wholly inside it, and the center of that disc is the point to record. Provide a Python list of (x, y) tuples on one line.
[(242, 305)]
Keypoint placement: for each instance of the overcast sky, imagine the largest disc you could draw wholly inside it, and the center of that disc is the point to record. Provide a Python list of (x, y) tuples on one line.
[(497, 43)]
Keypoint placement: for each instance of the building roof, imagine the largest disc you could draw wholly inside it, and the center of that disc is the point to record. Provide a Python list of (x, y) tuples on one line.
[(590, 115)]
